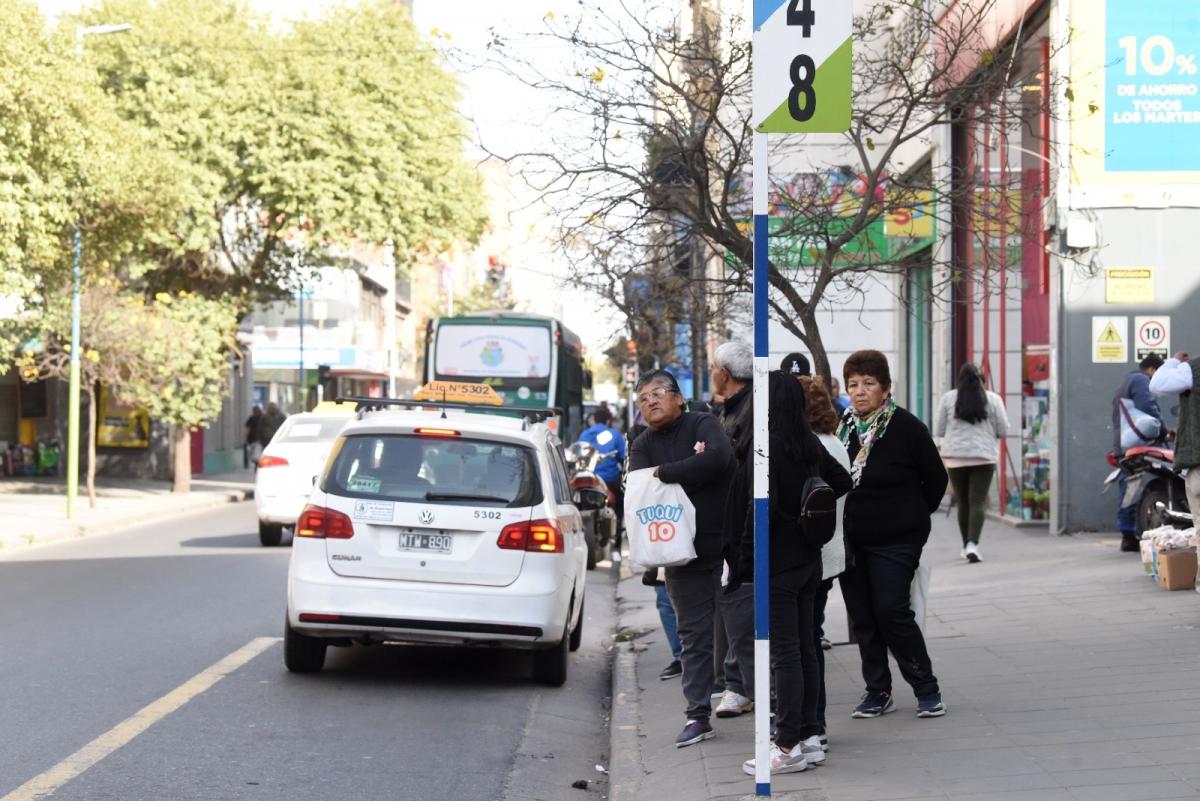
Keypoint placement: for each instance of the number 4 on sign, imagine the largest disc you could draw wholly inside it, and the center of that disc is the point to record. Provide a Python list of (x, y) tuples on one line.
[(800, 12)]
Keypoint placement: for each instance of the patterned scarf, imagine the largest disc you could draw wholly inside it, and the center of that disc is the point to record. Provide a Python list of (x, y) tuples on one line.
[(869, 429)]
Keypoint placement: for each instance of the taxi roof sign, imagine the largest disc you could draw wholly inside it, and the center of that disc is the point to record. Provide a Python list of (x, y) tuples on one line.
[(458, 392), (333, 407)]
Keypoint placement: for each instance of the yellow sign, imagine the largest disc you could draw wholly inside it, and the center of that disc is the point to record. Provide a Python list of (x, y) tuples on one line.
[(1129, 285), (1109, 340), (121, 425), (458, 392), (915, 222), (334, 407)]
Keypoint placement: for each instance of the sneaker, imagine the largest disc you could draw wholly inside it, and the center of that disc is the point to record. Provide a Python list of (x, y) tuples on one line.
[(826, 644), (873, 705), (973, 553), (671, 671), (1130, 542), (781, 761), (732, 704), (693, 732), (963, 553), (812, 750), (931, 706)]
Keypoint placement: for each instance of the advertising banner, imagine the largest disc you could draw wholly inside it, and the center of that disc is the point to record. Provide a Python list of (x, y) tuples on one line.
[(1135, 94)]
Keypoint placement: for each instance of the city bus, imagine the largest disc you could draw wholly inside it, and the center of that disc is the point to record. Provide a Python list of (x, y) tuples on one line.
[(530, 360)]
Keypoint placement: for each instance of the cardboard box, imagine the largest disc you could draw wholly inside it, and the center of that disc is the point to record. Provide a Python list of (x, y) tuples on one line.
[(1177, 569)]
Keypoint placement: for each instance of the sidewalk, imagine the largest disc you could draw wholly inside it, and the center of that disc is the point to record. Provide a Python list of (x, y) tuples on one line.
[(33, 510), (1068, 675)]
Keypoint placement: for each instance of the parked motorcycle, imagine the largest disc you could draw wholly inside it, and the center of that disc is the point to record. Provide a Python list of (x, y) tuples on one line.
[(595, 500), (1153, 485)]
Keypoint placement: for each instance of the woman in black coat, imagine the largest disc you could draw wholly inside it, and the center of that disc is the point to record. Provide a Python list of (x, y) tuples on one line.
[(899, 482), (795, 567)]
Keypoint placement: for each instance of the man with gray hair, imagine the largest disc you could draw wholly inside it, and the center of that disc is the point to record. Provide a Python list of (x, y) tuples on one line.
[(732, 371)]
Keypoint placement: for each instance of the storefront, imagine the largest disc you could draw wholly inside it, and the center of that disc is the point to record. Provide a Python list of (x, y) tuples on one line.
[(1000, 314)]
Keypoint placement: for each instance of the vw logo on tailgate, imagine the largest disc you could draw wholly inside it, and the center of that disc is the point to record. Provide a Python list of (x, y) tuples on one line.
[(426, 517)]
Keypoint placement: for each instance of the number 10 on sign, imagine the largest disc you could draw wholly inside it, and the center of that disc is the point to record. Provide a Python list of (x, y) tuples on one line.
[(802, 66)]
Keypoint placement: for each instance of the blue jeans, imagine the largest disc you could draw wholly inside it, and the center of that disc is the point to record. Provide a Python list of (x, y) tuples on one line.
[(666, 613), (1126, 515)]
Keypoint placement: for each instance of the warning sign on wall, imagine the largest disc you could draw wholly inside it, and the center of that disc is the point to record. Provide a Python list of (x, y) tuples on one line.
[(1129, 285), (1152, 335), (1110, 340)]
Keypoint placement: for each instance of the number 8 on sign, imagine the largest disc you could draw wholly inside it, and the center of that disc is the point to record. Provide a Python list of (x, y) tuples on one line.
[(802, 66)]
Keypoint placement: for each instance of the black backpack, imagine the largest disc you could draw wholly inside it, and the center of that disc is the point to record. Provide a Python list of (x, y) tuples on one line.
[(818, 512)]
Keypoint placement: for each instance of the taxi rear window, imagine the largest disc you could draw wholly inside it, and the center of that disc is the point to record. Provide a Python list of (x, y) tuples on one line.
[(319, 429), (404, 468)]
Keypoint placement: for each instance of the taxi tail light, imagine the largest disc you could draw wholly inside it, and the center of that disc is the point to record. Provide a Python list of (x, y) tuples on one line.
[(317, 522), (272, 461), (540, 536), (313, 617)]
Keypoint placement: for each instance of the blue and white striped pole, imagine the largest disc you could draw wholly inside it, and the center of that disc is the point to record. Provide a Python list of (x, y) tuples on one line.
[(762, 567)]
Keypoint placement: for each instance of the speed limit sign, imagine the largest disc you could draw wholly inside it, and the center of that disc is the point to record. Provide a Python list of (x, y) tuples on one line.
[(1152, 335), (802, 66)]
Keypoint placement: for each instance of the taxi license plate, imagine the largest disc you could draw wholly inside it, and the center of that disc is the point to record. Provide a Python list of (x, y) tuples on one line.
[(433, 543)]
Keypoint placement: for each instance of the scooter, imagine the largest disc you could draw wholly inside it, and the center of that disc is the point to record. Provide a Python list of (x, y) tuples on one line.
[(1153, 485), (597, 503)]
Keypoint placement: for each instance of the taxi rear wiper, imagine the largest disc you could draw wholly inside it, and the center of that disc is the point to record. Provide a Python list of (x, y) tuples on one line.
[(456, 496)]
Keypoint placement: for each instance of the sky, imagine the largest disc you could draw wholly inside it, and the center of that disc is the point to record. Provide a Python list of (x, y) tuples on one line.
[(503, 115)]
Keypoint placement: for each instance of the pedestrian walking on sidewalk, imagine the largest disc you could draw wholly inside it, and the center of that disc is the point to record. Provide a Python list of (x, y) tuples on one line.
[(969, 422), (795, 569), (733, 639), (821, 418), (269, 423), (250, 446), (898, 482), (689, 449), (1180, 375)]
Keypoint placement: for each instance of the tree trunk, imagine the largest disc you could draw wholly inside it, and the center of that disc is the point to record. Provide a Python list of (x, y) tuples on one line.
[(181, 473), (812, 330), (91, 453)]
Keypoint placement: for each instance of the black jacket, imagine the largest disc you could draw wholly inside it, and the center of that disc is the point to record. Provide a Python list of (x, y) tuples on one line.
[(704, 475), (737, 419), (787, 475), (902, 484)]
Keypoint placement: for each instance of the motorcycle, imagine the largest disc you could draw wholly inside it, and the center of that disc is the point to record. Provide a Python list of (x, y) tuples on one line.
[(1153, 485), (597, 503)]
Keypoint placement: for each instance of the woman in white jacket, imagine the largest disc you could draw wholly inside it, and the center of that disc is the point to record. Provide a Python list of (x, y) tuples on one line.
[(823, 418), (969, 422)]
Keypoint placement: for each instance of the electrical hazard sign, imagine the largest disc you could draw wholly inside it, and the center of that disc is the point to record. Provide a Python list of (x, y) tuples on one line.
[(1110, 340)]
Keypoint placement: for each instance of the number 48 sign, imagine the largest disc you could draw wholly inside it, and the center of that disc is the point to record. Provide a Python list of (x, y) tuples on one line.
[(802, 66)]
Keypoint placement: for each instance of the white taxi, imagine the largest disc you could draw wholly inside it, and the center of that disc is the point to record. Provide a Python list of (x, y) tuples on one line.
[(441, 526), (290, 464)]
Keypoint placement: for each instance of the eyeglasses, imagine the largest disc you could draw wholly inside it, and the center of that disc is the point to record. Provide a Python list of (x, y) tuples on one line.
[(658, 393)]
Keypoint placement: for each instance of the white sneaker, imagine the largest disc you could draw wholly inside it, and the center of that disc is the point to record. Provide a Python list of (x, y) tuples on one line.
[(963, 553), (972, 553), (781, 761), (733, 705), (812, 750)]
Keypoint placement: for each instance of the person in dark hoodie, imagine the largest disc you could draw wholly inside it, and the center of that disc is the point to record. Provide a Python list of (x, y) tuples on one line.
[(795, 567), (899, 481), (689, 449)]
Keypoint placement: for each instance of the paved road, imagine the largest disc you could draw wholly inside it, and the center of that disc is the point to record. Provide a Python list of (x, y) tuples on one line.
[(94, 630)]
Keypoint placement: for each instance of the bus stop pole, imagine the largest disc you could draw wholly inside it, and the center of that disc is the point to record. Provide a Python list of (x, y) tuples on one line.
[(762, 568)]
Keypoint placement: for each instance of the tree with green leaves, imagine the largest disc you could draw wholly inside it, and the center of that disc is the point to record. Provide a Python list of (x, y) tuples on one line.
[(338, 129)]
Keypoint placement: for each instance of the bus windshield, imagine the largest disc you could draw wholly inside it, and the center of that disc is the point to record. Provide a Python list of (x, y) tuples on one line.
[(514, 359)]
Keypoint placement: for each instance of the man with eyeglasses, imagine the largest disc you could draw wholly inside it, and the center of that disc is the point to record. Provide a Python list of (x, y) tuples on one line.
[(689, 449)]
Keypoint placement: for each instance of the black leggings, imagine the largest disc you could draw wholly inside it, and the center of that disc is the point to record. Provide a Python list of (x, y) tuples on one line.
[(971, 485)]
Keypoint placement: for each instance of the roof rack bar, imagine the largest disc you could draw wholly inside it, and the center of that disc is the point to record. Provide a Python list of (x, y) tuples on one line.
[(364, 404)]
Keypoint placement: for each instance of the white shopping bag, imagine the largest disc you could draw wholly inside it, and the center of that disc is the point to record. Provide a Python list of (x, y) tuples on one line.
[(918, 596), (660, 521)]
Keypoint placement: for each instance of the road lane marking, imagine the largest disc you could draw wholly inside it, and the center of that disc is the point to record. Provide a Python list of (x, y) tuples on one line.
[(120, 735)]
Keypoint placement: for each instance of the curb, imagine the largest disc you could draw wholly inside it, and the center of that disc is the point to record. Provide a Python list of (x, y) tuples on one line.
[(76, 531), (625, 762)]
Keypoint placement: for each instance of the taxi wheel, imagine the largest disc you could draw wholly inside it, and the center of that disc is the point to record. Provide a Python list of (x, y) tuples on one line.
[(550, 666), (302, 654), (577, 632), (270, 534)]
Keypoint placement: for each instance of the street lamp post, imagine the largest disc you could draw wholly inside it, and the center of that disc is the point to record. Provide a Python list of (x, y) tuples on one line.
[(76, 290)]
